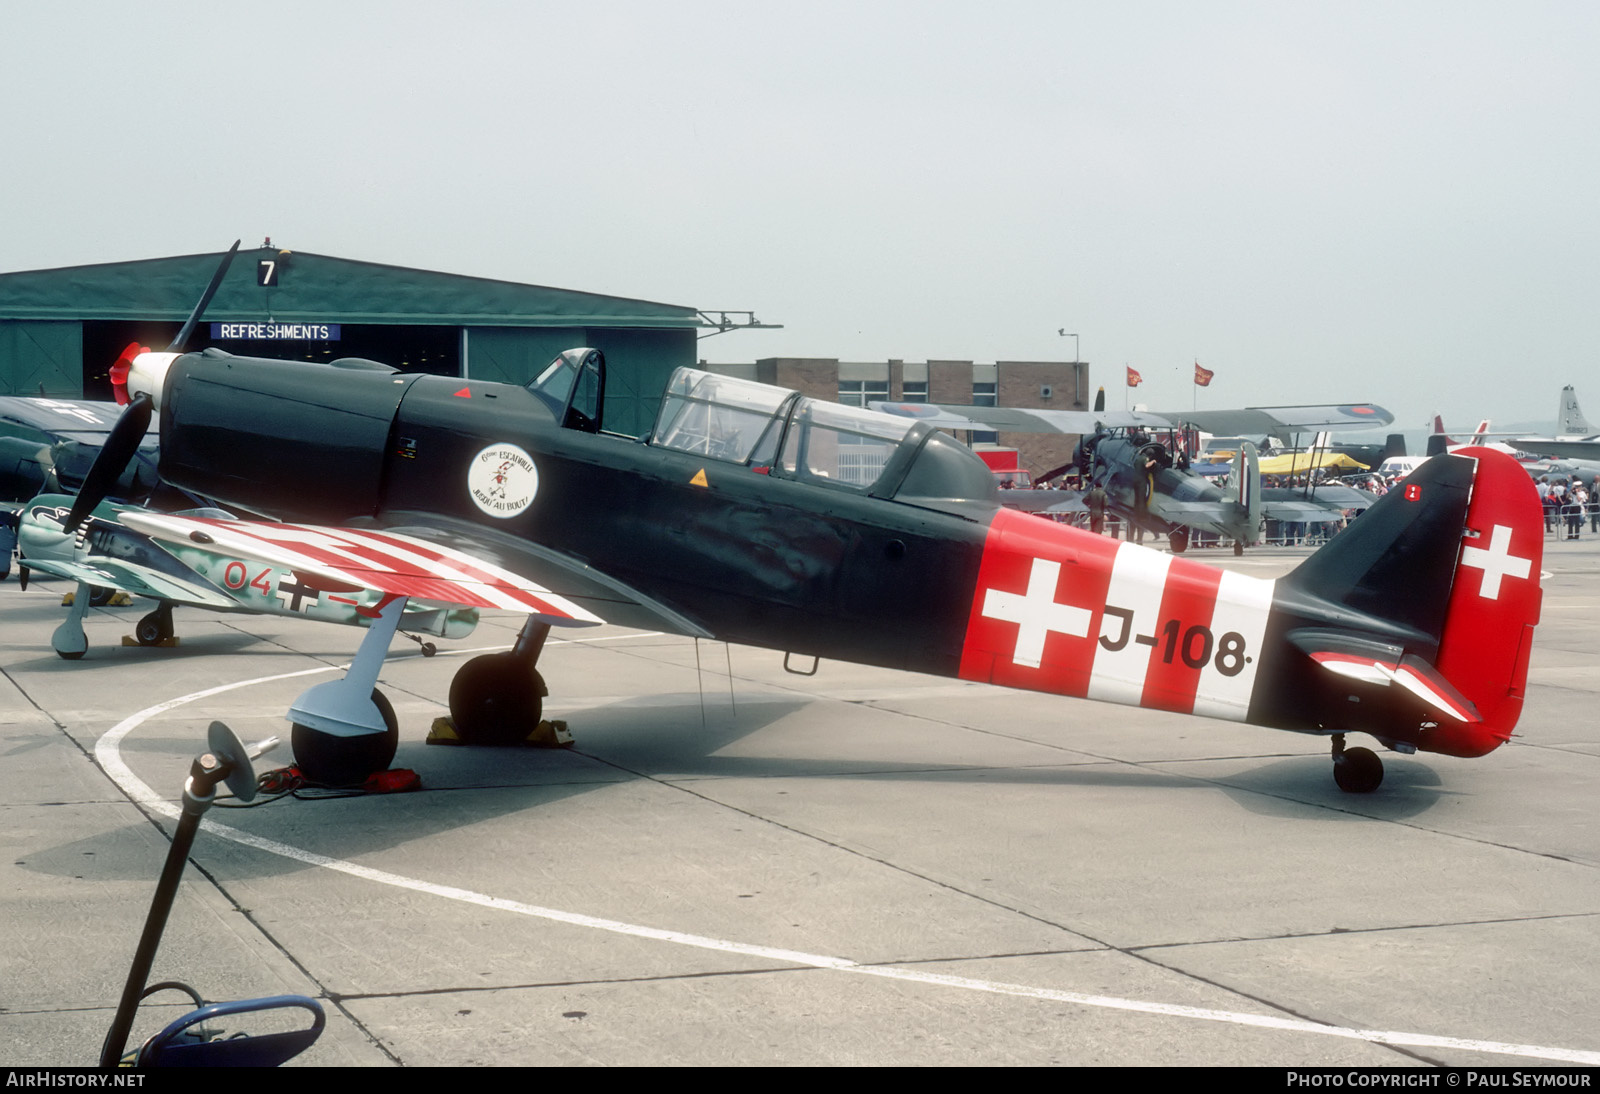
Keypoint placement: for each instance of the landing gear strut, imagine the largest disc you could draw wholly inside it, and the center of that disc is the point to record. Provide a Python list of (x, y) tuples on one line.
[(1356, 770), (497, 699), (69, 640), (345, 730)]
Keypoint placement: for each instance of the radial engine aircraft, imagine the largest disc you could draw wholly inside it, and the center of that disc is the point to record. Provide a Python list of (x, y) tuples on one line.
[(106, 552), (753, 515), (1140, 459), (50, 444)]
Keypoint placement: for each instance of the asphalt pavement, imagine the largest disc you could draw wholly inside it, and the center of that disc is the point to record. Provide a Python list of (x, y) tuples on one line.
[(736, 864)]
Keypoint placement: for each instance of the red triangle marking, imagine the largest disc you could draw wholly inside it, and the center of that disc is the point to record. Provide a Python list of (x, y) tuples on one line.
[(464, 393)]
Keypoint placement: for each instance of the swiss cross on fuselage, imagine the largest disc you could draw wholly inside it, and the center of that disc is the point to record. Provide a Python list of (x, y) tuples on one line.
[(1496, 561), (1036, 613)]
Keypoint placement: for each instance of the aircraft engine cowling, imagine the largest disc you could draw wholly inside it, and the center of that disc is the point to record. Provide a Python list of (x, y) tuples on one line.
[(274, 436)]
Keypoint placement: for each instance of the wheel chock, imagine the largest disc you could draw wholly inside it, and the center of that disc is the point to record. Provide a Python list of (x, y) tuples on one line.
[(550, 733), (119, 599), (165, 643), (443, 732)]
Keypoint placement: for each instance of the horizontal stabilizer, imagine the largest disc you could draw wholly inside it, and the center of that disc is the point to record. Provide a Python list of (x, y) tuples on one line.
[(1410, 672)]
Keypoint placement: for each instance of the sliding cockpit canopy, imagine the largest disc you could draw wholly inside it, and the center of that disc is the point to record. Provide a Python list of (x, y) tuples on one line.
[(779, 432)]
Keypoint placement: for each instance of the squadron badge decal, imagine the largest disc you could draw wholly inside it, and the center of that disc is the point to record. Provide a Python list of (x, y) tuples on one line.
[(502, 480)]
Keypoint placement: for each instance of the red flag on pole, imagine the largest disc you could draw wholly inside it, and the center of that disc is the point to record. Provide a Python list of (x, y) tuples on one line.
[(1134, 379), (1202, 376)]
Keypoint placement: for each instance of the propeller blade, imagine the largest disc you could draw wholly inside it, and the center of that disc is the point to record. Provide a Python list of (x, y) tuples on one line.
[(115, 455), (122, 443), (205, 298)]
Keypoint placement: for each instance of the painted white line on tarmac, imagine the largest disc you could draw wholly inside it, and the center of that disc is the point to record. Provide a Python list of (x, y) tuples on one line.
[(108, 754)]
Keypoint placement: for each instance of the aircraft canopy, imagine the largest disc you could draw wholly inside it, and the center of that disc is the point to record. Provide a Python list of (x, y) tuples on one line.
[(782, 433)]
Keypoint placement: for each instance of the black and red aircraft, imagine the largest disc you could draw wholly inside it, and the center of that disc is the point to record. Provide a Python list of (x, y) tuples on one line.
[(753, 515)]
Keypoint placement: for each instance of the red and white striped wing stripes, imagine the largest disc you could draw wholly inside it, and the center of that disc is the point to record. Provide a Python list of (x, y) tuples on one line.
[(387, 561)]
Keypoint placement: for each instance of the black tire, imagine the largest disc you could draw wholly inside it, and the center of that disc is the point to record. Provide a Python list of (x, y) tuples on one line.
[(149, 631), (1238, 547), (346, 761), (65, 656), (1358, 771), (496, 699), (1178, 540), (100, 596)]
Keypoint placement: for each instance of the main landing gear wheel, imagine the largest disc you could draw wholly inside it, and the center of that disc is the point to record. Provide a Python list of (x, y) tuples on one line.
[(100, 596), (155, 628), (346, 761), (496, 699), (1356, 770), (1178, 540), (1238, 548)]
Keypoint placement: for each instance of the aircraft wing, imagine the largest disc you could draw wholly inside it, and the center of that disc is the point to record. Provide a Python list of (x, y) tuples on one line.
[(1559, 450), (1327, 502), (1019, 419), (1293, 463), (388, 561), (133, 579), (1280, 421), (612, 600)]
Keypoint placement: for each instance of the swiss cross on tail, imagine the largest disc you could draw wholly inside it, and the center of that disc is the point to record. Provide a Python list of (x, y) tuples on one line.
[(1494, 602), (1496, 561)]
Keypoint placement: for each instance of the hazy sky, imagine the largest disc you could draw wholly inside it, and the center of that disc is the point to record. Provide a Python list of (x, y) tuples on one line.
[(1393, 201)]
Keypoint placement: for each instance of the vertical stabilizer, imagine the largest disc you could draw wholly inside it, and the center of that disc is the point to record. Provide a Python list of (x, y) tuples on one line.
[(1569, 419), (1244, 489), (1494, 604), (1442, 577)]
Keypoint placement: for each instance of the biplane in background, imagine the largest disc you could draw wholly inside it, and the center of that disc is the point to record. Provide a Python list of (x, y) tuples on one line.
[(1142, 460)]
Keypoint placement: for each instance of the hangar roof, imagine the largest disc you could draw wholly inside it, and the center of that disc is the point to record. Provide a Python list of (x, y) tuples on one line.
[(315, 288)]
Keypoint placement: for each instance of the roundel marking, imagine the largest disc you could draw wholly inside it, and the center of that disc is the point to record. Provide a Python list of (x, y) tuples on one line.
[(502, 480)]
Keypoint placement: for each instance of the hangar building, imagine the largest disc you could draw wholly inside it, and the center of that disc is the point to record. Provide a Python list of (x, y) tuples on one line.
[(60, 330)]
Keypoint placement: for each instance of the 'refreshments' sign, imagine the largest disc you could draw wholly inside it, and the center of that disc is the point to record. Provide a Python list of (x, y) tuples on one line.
[(275, 332)]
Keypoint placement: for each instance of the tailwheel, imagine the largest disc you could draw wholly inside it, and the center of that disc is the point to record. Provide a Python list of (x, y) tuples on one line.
[(1356, 770), (496, 699), (347, 761), (155, 628)]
